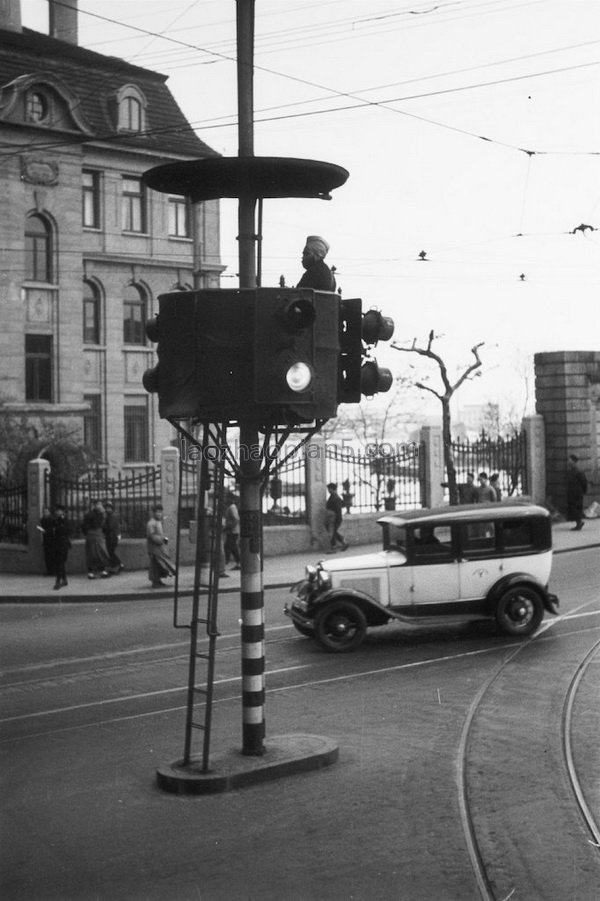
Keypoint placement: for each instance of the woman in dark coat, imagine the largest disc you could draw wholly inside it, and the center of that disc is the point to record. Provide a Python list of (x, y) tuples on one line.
[(60, 546), (577, 487), (96, 554)]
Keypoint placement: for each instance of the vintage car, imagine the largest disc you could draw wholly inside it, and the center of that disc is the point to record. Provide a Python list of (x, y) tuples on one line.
[(475, 561)]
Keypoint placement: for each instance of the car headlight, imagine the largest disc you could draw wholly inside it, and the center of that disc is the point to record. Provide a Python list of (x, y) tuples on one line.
[(311, 573), (323, 579)]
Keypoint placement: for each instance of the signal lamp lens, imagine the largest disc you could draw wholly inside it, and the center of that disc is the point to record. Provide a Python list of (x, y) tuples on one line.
[(300, 314), (299, 377), (376, 327), (151, 329), (150, 380), (374, 379)]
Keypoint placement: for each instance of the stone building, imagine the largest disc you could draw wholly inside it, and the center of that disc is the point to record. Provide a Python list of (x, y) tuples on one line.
[(85, 248), (567, 392)]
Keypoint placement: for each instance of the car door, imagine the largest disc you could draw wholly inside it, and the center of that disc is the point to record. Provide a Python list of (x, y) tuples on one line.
[(435, 572), (480, 564)]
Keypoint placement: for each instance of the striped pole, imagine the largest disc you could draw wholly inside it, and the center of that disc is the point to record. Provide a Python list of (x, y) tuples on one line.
[(252, 595)]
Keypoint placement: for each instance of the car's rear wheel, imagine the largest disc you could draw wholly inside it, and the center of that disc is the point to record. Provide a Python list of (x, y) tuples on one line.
[(520, 610), (340, 626)]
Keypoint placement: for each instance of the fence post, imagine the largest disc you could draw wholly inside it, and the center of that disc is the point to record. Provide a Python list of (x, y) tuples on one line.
[(535, 450), (169, 489), (316, 491), (431, 436), (36, 495)]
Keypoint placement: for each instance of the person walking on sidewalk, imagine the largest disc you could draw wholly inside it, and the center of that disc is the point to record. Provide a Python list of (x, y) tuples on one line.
[(60, 546), (112, 534), (333, 514), (159, 561), (577, 487), (96, 555), (232, 532), (46, 527)]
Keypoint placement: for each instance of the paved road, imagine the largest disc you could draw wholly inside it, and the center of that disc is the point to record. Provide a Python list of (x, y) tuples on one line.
[(458, 751)]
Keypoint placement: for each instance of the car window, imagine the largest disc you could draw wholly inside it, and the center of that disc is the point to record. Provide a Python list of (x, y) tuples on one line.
[(516, 533), (395, 539), (478, 539), (431, 542)]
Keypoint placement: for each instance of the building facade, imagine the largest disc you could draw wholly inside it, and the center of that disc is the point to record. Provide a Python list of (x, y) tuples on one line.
[(85, 247)]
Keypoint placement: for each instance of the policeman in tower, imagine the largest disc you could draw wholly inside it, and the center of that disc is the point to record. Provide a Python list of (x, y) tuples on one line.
[(318, 275)]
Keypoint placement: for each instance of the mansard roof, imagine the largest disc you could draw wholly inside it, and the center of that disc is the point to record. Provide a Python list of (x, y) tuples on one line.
[(95, 81)]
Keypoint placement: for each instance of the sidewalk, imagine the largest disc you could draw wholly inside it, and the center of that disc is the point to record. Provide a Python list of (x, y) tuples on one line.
[(279, 572)]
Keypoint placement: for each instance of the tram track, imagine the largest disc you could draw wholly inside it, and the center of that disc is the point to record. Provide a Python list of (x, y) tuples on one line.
[(479, 843)]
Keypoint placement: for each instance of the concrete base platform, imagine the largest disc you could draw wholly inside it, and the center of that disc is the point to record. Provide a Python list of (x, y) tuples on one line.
[(285, 755)]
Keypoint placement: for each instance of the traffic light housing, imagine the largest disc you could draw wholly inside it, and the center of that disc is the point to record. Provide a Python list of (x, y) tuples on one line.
[(295, 353), (358, 373), (267, 355)]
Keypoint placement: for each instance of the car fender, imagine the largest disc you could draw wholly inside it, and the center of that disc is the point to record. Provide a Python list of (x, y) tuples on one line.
[(372, 609), (550, 601)]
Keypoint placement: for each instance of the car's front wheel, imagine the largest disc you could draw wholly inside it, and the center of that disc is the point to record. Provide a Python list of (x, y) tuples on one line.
[(520, 610), (340, 626)]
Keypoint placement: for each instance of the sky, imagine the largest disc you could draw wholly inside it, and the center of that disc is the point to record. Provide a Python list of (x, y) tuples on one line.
[(471, 132)]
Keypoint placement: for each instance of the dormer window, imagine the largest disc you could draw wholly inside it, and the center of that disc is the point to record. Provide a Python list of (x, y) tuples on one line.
[(131, 105), (36, 107)]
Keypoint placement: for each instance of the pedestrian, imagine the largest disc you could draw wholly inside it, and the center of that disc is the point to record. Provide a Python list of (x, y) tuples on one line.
[(159, 561), (467, 491), (333, 517), (46, 527), (318, 275), (232, 532), (61, 545), (112, 536), (485, 492), (577, 487), (495, 483), (96, 555)]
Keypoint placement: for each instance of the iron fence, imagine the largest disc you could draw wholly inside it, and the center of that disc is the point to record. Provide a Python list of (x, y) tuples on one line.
[(284, 501), (505, 456), (133, 495), (382, 477), (13, 513)]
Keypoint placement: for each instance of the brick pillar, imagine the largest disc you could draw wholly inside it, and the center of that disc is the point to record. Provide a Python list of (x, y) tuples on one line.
[(169, 488), (433, 494), (36, 484), (533, 426), (316, 490), (565, 384)]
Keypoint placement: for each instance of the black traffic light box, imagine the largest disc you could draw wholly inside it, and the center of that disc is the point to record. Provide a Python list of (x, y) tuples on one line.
[(268, 355), (358, 331), (296, 347)]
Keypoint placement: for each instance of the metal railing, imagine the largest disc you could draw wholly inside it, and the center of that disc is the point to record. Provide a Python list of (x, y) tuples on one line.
[(132, 494), (13, 513), (505, 456), (382, 477)]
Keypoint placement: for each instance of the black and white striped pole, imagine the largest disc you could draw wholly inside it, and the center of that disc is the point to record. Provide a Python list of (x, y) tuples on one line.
[(252, 590)]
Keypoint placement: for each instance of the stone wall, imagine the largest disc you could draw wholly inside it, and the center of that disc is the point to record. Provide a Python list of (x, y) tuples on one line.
[(567, 390)]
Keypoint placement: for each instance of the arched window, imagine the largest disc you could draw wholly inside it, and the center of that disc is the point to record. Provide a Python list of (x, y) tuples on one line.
[(38, 250), (91, 314), (134, 315), (131, 107)]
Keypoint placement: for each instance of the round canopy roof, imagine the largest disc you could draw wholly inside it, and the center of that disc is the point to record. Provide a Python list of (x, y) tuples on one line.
[(254, 176)]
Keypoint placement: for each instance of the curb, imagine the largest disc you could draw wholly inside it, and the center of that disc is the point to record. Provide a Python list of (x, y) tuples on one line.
[(285, 755), (141, 595)]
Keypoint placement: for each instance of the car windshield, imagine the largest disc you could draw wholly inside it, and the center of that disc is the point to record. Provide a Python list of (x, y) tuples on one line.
[(394, 538)]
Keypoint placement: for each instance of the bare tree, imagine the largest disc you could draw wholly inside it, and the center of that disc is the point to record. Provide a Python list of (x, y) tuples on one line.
[(444, 398)]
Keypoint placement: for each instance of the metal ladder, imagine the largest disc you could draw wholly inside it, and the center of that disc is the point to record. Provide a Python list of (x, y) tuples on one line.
[(204, 620)]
